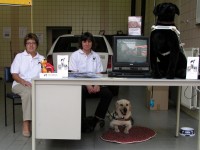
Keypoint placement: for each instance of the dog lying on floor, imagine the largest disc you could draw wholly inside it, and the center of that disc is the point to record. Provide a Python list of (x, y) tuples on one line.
[(167, 56), (122, 116)]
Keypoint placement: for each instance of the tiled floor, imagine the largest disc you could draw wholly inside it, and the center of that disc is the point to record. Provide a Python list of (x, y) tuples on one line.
[(163, 122)]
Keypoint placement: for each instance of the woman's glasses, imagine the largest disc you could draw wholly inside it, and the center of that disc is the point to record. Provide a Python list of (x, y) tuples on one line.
[(31, 43)]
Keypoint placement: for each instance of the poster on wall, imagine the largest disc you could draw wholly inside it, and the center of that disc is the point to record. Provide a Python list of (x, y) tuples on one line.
[(22, 32), (6, 32), (195, 52), (134, 25), (40, 37)]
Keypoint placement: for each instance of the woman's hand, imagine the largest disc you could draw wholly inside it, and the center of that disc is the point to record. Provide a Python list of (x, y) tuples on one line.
[(18, 79), (26, 83), (89, 88), (93, 88), (96, 88)]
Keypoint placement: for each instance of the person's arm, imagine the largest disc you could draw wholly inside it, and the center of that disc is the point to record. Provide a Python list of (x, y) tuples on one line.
[(15, 70), (99, 69), (17, 78), (72, 63), (99, 65)]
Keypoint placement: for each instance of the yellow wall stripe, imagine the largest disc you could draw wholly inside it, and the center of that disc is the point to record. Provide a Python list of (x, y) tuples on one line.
[(16, 2)]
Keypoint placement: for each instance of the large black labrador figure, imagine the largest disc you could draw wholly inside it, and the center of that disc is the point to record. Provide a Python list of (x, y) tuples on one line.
[(167, 57)]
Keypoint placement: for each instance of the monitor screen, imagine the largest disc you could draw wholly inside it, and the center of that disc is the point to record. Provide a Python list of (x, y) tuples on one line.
[(130, 52)]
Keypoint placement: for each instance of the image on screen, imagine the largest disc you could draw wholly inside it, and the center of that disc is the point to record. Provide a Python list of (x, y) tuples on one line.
[(132, 50)]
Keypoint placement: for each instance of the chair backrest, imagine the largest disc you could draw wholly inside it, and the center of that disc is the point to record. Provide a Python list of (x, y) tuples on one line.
[(7, 75)]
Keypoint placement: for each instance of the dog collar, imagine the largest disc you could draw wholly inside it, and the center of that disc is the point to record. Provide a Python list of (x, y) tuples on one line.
[(165, 22)]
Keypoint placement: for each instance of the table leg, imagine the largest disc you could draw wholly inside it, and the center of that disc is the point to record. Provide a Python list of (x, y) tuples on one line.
[(178, 110), (33, 117), (198, 132)]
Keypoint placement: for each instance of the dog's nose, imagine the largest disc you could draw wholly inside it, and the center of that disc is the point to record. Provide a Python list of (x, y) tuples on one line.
[(125, 110)]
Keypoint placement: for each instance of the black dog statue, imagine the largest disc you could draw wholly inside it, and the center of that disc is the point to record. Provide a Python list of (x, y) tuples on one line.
[(167, 56)]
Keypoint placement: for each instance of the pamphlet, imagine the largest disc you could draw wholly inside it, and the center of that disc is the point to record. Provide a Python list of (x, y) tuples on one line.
[(192, 68), (62, 65), (85, 75)]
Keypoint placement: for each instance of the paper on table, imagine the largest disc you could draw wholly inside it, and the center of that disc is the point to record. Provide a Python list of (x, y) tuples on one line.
[(85, 75)]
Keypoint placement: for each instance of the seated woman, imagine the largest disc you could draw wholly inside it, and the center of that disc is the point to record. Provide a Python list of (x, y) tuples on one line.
[(25, 66), (86, 60)]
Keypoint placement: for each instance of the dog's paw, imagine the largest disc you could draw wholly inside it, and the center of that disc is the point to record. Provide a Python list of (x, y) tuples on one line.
[(126, 131)]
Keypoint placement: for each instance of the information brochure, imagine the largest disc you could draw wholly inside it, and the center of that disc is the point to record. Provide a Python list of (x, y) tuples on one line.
[(192, 68), (62, 65)]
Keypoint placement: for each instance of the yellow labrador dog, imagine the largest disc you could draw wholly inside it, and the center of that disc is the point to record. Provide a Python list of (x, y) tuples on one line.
[(122, 116)]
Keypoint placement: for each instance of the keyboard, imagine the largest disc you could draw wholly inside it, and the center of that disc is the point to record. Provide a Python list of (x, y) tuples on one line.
[(129, 75)]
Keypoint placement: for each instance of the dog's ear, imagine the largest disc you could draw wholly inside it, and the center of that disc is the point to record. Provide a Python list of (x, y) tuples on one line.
[(116, 105), (156, 10), (176, 9)]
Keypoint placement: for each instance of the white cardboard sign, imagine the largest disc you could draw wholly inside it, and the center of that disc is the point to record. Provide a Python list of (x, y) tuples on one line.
[(62, 65), (192, 67)]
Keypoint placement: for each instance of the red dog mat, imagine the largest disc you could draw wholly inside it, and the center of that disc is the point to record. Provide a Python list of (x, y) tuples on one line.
[(136, 134)]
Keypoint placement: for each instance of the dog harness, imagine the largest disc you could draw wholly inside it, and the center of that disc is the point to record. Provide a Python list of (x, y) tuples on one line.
[(173, 28), (116, 117)]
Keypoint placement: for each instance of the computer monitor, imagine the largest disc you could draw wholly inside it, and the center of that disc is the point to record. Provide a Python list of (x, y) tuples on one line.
[(131, 54)]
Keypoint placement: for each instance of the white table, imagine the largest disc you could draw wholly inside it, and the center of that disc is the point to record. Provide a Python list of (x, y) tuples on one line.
[(56, 104)]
